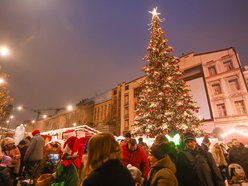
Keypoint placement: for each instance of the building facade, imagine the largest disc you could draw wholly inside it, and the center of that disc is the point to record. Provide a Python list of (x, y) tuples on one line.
[(217, 84)]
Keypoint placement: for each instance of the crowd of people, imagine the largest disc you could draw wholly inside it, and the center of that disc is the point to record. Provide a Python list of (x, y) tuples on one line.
[(100, 160)]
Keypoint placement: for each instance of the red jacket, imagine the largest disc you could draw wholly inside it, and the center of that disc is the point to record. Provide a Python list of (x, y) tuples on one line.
[(136, 158)]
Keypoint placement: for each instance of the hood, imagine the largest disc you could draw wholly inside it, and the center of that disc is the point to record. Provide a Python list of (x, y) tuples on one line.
[(165, 163)]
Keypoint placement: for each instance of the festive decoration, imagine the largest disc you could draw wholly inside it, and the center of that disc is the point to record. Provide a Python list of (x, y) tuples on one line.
[(164, 102), (5, 99), (175, 139)]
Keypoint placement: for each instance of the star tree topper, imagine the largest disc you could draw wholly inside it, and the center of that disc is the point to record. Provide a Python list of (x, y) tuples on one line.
[(154, 12)]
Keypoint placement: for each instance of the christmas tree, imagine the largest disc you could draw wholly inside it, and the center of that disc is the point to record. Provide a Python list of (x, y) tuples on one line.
[(164, 102), (5, 99)]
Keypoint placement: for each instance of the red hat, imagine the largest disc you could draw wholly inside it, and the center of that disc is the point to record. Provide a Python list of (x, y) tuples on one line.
[(72, 143), (37, 131)]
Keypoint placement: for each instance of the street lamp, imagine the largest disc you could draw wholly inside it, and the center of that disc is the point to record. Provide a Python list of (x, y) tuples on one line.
[(2, 81), (69, 107), (4, 51)]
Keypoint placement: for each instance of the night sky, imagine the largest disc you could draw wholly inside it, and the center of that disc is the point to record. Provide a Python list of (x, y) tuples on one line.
[(65, 50)]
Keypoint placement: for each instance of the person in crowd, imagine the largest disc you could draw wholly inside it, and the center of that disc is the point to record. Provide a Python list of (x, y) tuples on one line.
[(205, 143), (67, 170), (27, 140), (22, 148), (196, 167), (160, 139), (143, 145), (170, 149), (162, 170), (136, 156), (239, 154), (127, 137), (34, 152), (5, 161), (136, 174), (11, 150), (237, 175), (103, 165), (220, 160)]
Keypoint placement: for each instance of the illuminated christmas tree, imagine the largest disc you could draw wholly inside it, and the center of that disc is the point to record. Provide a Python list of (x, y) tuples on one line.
[(5, 99), (164, 102)]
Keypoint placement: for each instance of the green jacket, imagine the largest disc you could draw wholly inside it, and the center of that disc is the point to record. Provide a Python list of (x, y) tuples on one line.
[(162, 173), (67, 174)]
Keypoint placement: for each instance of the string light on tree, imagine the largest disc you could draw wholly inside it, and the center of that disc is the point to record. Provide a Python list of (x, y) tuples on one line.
[(164, 101)]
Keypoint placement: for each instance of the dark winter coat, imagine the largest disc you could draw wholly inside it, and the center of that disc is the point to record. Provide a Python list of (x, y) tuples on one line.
[(137, 158), (240, 156), (35, 149), (198, 168), (112, 173), (162, 173)]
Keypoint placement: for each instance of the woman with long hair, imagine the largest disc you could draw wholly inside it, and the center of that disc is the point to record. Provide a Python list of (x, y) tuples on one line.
[(103, 165)]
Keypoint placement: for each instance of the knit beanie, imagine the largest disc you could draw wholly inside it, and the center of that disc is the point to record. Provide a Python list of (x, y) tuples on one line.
[(158, 151), (8, 140), (135, 172), (189, 137), (37, 131)]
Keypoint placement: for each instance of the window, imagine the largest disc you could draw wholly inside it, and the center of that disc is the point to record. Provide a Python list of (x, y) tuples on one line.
[(216, 89), (126, 99), (234, 84), (221, 110), (228, 65), (126, 112), (127, 87), (240, 107), (212, 70), (115, 92), (126, 125), (137, 91)]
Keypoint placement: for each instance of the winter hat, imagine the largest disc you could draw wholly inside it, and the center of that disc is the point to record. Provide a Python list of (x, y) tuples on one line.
[(160, 139), (37, 131), (8, 140), (71, 144), (158, 151), (205, 140), (135, 172), (189, 137)]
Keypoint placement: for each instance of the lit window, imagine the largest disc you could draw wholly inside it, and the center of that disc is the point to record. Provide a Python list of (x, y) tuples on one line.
[(240, 107), (228, 65), (221, 110), (216, 89), (212, 70), (234, 85)]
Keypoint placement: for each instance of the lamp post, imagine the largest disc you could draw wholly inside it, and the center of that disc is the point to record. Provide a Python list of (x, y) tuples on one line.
[(4, 51)]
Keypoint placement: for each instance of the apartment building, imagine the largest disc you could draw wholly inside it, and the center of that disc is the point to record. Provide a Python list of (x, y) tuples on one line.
[(217, 85)]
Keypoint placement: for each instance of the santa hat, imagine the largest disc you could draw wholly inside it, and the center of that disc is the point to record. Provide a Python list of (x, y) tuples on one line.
[(71, 145), (37, 131)]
